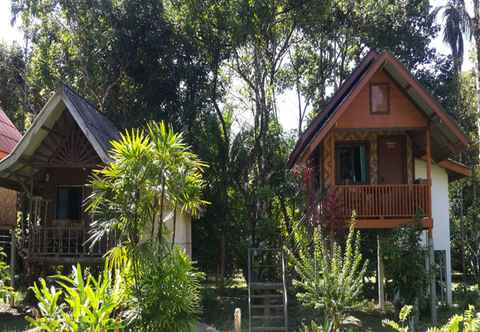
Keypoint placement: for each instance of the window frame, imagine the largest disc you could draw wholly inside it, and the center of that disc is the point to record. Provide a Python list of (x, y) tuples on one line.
[(351, 144), (82, 194), (387, 86)]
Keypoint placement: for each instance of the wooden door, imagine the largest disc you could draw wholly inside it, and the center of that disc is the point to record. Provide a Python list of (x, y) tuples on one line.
[(391, 160)]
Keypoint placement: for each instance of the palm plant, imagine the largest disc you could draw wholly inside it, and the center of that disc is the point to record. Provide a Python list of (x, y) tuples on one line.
[(152, 175), (457, 24), (151, 172)]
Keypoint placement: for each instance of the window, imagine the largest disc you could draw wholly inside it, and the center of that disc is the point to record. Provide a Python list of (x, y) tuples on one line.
[(380, 98), (69, 203), (352, 163)]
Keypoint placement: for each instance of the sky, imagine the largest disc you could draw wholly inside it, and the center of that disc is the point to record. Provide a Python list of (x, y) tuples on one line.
[(287, 102)]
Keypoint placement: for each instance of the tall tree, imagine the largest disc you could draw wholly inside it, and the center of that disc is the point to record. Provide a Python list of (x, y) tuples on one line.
[(14, 94), (122, 55), (458, 23)]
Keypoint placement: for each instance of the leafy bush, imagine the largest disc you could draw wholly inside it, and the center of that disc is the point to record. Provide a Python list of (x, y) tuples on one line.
[(469, 322), (6, 290), (404, 257), (79, 303), (403, 316), (153, 174), (175, 305), (330, 278)]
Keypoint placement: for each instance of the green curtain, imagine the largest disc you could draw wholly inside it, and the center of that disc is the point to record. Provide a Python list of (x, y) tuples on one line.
[(363, 164)]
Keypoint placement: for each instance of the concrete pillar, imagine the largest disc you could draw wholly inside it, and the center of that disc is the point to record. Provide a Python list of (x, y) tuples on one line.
[(448, 269), (433, 288), (380, 275)]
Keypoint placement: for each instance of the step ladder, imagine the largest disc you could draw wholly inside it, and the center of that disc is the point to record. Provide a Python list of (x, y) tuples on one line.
[(267, 290)]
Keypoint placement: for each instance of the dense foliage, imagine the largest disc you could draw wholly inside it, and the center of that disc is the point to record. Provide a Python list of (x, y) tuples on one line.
[(468, 322), (217, 71), (405, 255)]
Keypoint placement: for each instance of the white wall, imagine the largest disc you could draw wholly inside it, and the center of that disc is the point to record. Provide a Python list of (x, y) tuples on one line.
[(440, 214), (183, 231)]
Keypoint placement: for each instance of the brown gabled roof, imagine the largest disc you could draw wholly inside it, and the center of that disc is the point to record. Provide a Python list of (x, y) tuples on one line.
[(342, 98), (98, 130)]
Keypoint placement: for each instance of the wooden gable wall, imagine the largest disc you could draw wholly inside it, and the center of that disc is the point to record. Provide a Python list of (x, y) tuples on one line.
[(64, 158), (403, 112)]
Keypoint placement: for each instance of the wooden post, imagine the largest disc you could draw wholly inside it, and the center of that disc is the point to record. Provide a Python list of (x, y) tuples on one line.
[(380, 275), (237, 324), (431, 256), (429, 168), (12, 257), (431, 270)]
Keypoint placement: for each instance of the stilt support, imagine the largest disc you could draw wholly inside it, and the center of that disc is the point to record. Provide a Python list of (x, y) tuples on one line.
[(13, 244), (433, 287), (381, 275)]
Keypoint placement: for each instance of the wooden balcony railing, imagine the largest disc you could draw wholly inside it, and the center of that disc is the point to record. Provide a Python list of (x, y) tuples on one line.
[(64, 241), (384, 201)]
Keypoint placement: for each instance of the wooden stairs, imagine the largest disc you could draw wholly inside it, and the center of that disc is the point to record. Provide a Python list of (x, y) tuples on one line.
[(267, 291)]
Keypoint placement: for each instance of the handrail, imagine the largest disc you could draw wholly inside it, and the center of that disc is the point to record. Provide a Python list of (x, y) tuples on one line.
[(384, 200), (65, 241)]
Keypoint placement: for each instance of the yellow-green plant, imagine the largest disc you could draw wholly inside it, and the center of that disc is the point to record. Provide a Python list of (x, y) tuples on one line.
[(152, 175), (314, 327), (329, 278), (6, 290), (468, 322), (403, 317), (79, 303)]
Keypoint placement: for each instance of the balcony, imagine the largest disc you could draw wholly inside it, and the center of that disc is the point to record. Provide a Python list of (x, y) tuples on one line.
[(64, 244), (385, 205)]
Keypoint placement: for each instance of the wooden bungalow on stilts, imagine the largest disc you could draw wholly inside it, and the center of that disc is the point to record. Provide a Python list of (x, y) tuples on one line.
[(383, 145), (50, 166)]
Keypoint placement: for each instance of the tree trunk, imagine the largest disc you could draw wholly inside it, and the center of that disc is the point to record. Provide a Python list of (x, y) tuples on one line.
[(476, 37), (222, 264)]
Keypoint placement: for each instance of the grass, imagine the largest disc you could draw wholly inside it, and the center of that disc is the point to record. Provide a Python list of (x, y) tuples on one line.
[(219, 309), (11, 320)]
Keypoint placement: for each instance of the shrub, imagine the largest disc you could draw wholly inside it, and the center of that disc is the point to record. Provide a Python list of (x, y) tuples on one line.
[(469, 322), (330, 278), (6, 291), (405, 256), (79, 303)]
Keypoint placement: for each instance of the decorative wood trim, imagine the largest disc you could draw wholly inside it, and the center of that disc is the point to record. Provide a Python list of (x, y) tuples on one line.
[(455, 167), (427, 223), (430, 100)]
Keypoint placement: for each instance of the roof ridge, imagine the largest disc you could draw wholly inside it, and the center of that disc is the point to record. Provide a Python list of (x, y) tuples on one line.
[(339, 94), (322, 123), (70, 89)]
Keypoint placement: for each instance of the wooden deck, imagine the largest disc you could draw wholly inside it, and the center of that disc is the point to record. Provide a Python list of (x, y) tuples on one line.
[(64, 244), (385, 206)]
